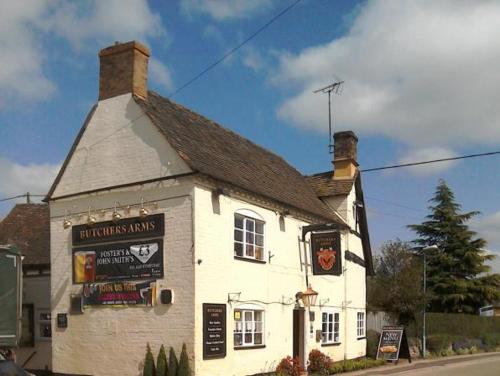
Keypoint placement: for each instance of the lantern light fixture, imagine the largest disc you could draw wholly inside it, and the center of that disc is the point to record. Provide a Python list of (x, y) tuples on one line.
[(67, 223), (91, 220), (309, 297), (116, 216), (143, 212)]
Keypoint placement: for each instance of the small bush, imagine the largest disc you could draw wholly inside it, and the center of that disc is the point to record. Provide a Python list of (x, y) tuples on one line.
[(354, 365), (149, 363), (161, 363), (319, 362), (173, 364), (184, 369), (491, 341), (289, 367), (439, 343), (372, 338)]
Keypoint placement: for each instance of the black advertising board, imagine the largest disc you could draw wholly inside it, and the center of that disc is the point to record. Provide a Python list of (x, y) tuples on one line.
[(118, 261), (214, 331), (393, 344), (326, 253), (126, 229), (119, 294)]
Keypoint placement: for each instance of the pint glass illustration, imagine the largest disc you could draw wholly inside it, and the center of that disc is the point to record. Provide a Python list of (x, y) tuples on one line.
[(84, 265)]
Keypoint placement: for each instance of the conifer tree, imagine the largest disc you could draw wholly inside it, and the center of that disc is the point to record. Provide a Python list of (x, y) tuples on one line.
[(161, 363), (173, 364), (456, 271), (149, 363), (184, 369)]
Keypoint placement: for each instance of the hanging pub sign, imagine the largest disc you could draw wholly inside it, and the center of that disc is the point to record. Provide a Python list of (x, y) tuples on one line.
[(326, 253), (126, 229), (393, 344), (119, 294), (118, 261), (214, 331)]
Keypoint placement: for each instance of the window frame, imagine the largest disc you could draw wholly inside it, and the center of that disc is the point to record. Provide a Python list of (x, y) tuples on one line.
[(39, 322), (249, 231), (242, 328), (335, 334), (360, 329)]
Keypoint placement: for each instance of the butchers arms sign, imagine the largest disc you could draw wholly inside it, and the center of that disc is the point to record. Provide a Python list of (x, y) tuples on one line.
[(326, 253)]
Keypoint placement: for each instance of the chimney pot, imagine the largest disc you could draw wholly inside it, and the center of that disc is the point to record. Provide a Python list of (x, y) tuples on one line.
[(123, 69), (345, 155)]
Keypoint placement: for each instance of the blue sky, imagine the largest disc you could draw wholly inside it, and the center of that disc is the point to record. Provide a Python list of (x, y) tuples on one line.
[(421, 82)]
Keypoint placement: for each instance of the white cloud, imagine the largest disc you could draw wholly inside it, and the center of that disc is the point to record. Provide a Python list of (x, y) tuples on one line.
[(487, 227), (160, 74), (421, 72), (253, 59), (225, 9), (17, 178), (27, 26), (426, 154)]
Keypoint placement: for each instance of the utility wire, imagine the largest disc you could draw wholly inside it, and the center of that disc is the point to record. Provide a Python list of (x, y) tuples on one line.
[(431, 161), (234, 49)]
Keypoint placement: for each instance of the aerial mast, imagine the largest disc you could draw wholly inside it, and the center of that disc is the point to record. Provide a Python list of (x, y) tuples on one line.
[(336, 88)]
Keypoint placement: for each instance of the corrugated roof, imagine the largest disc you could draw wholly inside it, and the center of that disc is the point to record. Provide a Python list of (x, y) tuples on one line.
[(220, 153), (324, 184), (27, 226)]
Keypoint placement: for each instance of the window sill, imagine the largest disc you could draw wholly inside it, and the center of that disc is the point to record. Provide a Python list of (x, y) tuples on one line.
[(249, 347), (255, 261), (360, 338), (331, 344)]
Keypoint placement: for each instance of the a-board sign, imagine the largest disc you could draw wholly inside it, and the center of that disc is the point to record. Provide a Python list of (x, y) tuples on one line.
[(326, 253), (118, 261), (119, 294), (393, 344), (214, 331), (126, 229)]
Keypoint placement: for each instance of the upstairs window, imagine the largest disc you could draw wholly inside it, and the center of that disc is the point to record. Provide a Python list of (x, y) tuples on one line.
[(248, 237)]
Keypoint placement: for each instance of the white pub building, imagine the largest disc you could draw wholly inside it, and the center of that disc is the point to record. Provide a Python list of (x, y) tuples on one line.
[(167, 228)]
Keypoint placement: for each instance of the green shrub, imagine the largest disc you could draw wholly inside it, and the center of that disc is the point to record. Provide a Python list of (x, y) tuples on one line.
[(372, 338), (354, 365), (491, 341), (161, 363), (439, 344), (173, 364), (149, 363), (289, 367), (184, 369), (319, 363)]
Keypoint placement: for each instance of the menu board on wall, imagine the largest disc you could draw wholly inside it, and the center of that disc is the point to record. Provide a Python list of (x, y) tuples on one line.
[(214, 331), (326, 253), (393, 344), (126, 229), (118, 261), (120, 294)]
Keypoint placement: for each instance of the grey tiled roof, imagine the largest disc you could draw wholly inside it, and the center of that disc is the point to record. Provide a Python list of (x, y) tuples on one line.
[(324, 184)]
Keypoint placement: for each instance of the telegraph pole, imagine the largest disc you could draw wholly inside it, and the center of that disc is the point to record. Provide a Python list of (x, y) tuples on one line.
[(336, 88)]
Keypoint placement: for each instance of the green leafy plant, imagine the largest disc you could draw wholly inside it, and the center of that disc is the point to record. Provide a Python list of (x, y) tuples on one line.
[(319, 363), (173, 364), (289, 367), (354, 365), (149, 363), (184, 369), (439, 344), (161, 363)]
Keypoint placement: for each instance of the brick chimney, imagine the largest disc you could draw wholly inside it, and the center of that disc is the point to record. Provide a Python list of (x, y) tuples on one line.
[(345, 155), (123, 69)]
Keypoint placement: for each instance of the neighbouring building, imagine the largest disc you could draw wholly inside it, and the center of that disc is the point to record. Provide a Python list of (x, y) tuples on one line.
[(167, 228), (27, 227)]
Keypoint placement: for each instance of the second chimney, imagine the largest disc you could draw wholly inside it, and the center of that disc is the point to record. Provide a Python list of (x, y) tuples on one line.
[(345, 155), (123, 69)]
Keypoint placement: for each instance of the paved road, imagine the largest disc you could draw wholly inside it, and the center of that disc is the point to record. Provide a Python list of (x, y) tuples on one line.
[(477, 365)]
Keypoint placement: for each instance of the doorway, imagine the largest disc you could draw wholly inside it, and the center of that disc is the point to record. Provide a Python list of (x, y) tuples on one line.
[(298, 334)]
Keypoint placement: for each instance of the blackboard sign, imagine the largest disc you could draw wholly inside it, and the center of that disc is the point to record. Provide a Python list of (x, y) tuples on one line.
[(119, 294), (326, 253), (393, 344), (62, 320), (214, 331), (126, 229), (118, 261)]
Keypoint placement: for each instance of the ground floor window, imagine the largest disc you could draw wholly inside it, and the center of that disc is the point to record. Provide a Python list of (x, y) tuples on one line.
[(248, 327), (44, 324), (361, 324), (330, 326)]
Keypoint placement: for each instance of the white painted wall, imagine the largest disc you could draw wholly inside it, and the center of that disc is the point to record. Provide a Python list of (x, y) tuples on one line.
[(119, 146)]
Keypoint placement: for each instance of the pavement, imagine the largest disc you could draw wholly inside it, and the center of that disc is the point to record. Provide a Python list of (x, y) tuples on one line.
[(484, 364)]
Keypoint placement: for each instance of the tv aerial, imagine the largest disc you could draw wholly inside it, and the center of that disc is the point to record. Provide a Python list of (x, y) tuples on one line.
[(335, 88)]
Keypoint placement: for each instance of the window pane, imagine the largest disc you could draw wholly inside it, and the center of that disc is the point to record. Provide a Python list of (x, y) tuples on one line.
[(258, 315), (45, 316), (250, 238), (238, 249), (238, 339), (259, 240), (248, 315), (336, 338), (249, 250), (248, 338), (238, 235), (324, 317), (258, 339), (238, 221), (259, 227), (45, 331), (258, 326), (259, 253), (250, 225)]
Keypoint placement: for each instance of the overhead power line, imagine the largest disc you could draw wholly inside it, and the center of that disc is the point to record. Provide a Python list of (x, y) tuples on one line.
[(431, 161), (234, 49)]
